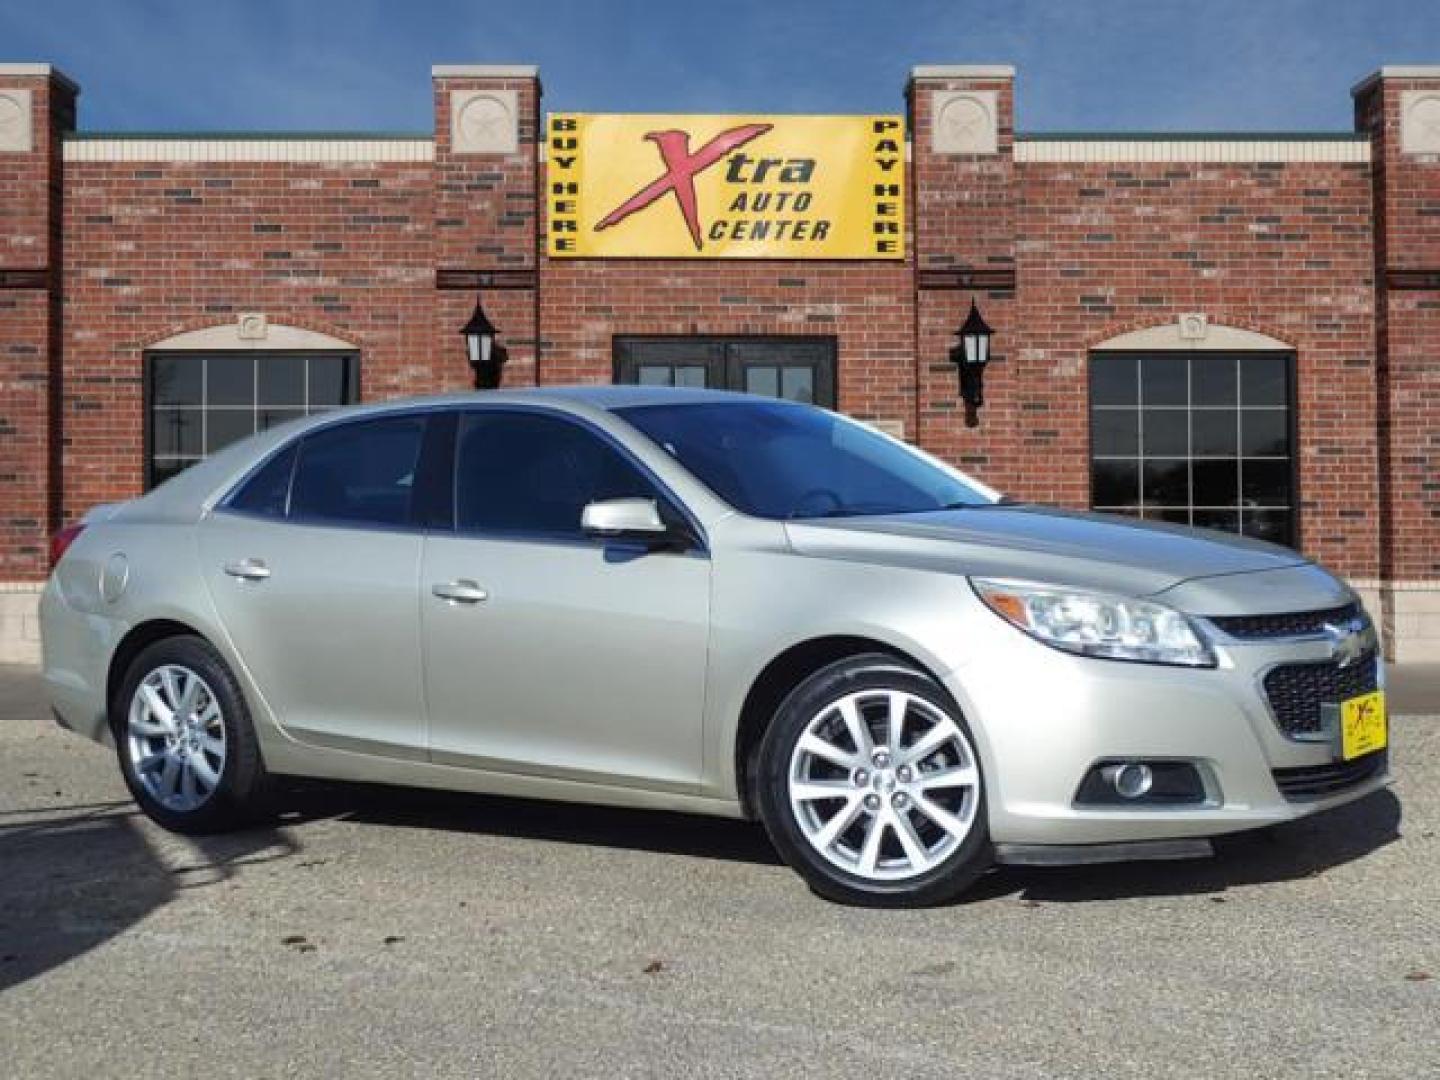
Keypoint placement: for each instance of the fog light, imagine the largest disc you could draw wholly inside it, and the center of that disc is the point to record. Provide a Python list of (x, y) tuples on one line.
[(1141, 783), (1131, 780)]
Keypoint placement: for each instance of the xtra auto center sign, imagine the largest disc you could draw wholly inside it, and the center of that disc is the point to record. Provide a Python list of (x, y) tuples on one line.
[(731, 187)]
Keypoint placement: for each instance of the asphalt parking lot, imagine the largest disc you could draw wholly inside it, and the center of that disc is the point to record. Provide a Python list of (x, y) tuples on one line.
[(394, 933)]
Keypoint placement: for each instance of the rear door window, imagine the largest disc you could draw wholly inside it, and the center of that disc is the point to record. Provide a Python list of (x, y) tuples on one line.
[(361, 473), (267, 492)]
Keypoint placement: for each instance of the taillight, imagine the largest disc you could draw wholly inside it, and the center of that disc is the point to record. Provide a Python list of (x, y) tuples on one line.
[(61, 541)]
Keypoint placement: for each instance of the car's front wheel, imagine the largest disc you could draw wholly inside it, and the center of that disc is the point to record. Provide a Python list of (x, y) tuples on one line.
[(187, 749), (869, 785)]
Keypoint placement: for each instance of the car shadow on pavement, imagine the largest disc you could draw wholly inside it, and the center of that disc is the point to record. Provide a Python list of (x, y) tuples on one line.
[(595, 826), (74, 877), (1288, 852), (1300, 849)]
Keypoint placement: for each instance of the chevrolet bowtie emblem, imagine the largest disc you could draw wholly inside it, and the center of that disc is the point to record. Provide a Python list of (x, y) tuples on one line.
[(1349, 641)]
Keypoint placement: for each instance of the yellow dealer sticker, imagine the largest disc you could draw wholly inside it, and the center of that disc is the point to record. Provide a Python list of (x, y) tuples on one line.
[(1362, 725), (725, 187)]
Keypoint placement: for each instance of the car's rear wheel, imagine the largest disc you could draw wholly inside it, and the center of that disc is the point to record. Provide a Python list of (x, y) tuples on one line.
[(186, 745), (870, 787)]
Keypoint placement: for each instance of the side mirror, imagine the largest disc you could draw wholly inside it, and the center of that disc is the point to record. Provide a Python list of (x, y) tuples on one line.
[(627, 519)]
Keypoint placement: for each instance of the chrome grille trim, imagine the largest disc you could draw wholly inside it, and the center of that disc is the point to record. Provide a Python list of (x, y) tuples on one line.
[(1291, 624)]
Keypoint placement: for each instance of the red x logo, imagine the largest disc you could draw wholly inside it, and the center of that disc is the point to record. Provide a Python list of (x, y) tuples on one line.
[(681, 168)]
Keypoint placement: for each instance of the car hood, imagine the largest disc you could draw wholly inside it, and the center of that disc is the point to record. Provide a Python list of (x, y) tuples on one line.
[(1082, 550)]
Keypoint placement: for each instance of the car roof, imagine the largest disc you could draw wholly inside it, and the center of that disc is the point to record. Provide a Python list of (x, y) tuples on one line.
[(597, 396)]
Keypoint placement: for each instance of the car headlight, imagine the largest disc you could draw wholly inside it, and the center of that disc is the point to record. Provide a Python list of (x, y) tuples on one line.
[(1093, 624)]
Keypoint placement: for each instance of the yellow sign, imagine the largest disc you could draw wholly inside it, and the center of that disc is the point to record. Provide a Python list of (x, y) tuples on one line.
[(1362, 725), (727, 187)]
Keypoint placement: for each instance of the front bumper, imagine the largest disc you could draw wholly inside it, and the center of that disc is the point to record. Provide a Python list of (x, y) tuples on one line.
[(1043, 718)]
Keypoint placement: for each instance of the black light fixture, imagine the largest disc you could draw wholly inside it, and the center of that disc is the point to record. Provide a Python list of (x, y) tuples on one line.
[(970, 356), (486, 355)]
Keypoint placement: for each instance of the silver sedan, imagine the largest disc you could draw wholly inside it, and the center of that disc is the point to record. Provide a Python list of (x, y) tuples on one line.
[(713, 603)]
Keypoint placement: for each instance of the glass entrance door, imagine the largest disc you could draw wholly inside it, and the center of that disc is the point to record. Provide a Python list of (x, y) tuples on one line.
[(793, 368)]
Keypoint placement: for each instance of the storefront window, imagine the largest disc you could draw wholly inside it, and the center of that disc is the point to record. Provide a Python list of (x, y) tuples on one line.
[(198, 403), (1195, 438)]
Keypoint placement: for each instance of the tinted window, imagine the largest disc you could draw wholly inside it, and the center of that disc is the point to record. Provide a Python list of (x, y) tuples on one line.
[(776, 460), (361, 472), (527, 473), (268, 492)]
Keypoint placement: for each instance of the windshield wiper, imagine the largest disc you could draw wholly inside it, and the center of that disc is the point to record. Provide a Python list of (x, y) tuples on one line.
[(959, 504), (884, 511), (840, 512)]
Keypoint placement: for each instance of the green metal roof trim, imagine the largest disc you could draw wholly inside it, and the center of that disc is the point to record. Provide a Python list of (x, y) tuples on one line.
[(251, 136), (1191, 136)]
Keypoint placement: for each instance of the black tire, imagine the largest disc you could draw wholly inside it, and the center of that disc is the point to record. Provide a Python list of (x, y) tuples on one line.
[(241, 796), (770, 775)]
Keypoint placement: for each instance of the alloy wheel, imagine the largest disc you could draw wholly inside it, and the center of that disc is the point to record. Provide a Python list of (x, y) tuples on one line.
[(175, 738), (884, 784)]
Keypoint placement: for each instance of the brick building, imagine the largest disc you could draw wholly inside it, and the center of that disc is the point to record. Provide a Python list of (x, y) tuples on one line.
[(1230, 330)]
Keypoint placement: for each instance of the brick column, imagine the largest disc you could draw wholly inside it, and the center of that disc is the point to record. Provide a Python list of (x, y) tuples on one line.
[(963, 206), (1400, 108), (486, 236), (37, 105)]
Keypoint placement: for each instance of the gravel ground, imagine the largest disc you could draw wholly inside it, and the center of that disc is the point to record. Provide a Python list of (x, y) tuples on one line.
[(392, 933)]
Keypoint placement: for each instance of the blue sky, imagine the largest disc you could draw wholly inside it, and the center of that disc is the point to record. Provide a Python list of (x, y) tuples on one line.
[(364, 64)]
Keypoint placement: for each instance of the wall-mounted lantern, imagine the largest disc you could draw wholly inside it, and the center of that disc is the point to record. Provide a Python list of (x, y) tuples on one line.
[(486, 355), (970, 356)]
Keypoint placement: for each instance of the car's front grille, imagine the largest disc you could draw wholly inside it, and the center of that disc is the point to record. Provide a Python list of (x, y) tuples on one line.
[(1290, 624), (1296, 691), (1317, 781)]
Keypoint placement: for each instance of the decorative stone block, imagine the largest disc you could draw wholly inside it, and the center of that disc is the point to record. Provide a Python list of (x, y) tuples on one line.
[(16, 128), (1420, 122), (1194, 326), (484, 122), (252, 326), (966, 122)]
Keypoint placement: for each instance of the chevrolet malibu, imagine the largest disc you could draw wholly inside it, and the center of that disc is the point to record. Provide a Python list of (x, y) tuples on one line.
[(713, 603)]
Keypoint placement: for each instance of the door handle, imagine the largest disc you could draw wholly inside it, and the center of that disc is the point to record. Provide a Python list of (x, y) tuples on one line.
[(461, 591), (248, 569)]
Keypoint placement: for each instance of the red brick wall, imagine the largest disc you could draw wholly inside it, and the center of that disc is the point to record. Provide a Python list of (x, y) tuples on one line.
[(486, 218), (30, 256), (963, 204), (1101, 249), (1064, 256), (865, 306), (964, 224), (157, 248), (1407, 204), (1285, 250)]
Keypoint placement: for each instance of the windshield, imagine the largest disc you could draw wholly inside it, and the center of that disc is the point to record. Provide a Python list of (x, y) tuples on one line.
[(778, 460)]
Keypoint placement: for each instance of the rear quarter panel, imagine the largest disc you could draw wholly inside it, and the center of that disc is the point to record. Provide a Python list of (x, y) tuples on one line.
[(118, 575)]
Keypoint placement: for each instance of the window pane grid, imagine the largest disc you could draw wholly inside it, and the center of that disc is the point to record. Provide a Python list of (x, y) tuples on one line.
[(1195, 439), (200, 403)]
